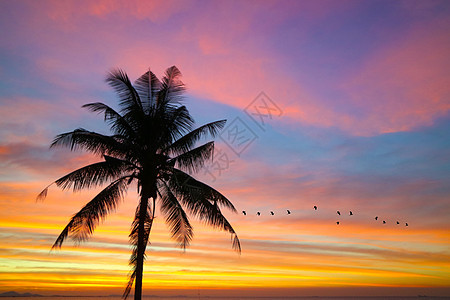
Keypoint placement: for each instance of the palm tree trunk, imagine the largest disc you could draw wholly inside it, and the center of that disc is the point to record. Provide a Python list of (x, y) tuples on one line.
[(142, 243), (141, 249)]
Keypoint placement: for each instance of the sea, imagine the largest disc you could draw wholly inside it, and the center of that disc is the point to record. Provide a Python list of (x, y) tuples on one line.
[(420, 297)]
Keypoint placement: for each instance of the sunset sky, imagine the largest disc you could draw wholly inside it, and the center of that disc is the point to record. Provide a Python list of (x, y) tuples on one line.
[(359, 99)]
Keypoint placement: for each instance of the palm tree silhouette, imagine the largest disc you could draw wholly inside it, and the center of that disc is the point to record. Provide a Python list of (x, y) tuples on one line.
[(153, 145)]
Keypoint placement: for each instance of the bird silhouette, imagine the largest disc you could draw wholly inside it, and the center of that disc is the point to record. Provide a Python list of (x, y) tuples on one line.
[(337, 222), (376, 218), (384, 222), (288, 211), (244, 213), (272, 213), (258, 213), (351, 214), (398, 222), (406, 224), (315, 207), (338, 212)]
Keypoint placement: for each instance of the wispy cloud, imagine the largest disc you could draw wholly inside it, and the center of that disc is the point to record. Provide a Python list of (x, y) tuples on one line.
[(365, 116)]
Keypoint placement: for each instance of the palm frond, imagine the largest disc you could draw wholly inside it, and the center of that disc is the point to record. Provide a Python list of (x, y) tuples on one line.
[(95, 174), (182, 121), (83, 223), (188, 141), (202, 201), (93, 142), (185, 184), (176, 217), (147, 87), (211, 215), (172, 87), (42, 195), (129, 98), (193, 160), (132, 274), (131, 278), (176, 122), (118, 124)]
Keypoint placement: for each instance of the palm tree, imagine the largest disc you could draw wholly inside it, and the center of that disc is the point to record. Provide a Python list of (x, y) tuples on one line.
[(154, 146)]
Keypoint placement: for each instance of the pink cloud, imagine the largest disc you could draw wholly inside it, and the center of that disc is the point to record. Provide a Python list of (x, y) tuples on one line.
[(404, 85), (400, 87), (156, 11), (224, 56)]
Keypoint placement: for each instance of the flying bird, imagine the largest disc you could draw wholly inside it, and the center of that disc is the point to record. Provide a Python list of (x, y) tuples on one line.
[(244, 213), (338, 212), (398, 222), (384, 222), (258, 213), (288, 211), (315, 207), (351, 214), (406, 224), (337, 222), (376, 218), (272, 213)]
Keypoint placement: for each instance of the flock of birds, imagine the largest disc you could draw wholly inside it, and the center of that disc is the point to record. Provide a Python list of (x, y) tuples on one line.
[(315, 208)]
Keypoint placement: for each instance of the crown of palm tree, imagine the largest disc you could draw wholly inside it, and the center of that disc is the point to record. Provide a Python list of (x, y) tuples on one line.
[(153, 144)]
